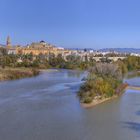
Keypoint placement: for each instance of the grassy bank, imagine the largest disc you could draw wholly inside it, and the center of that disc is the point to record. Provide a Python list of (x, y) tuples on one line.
[(17, 73)]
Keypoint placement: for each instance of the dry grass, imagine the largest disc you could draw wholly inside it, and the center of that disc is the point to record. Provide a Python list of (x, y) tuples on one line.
[(16, 73)]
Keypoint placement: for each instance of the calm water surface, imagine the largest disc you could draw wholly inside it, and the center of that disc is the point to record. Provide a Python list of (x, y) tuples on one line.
[(46, 108)]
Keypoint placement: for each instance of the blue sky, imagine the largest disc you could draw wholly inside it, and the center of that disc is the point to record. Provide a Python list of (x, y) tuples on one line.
[(72, 23)]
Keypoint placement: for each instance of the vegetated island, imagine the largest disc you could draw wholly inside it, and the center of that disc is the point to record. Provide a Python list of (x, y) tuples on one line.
[(104, 82)]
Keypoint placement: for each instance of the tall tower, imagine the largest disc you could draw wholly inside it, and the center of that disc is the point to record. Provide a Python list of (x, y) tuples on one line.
[(8, 42)]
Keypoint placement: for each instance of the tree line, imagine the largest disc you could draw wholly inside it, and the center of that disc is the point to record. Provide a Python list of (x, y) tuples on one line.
[(43, 61)]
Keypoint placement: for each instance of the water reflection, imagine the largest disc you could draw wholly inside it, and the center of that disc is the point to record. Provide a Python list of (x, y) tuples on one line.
[(71, 73), (138, 113), (132, 125), (131, 75), (132, 78)]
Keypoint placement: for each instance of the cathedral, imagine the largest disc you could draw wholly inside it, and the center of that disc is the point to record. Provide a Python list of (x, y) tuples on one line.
[(34, 48)]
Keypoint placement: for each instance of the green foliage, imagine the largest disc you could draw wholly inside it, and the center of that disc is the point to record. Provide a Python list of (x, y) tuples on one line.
[(87, 100), (3, 51), (44, 61), (130, 63)]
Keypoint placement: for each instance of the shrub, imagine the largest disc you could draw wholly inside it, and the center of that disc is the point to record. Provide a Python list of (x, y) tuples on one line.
[(87, 100)]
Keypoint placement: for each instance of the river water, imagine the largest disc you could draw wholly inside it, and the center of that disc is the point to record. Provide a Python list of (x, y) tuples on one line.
[(46, 108)]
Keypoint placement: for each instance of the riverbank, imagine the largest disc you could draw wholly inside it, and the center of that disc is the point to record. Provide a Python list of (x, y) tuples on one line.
[(17, 73)]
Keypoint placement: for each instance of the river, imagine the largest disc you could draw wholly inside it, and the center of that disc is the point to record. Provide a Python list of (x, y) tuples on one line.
[(46, 107)]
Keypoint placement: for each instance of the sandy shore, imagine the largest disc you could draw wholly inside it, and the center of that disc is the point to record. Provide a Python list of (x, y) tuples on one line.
[(48, 70), (133, 87), (96, 102)]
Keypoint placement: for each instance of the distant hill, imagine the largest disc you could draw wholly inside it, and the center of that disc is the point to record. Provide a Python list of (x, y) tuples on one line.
[(79, 49), (122, 50)]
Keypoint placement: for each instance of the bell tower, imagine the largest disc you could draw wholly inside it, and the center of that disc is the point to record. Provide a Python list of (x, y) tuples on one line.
[(8, 42)]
